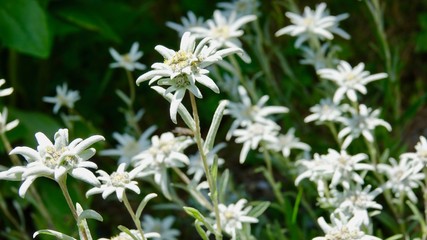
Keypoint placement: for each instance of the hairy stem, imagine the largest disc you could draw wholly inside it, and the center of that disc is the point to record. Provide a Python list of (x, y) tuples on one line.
[(136, 221)]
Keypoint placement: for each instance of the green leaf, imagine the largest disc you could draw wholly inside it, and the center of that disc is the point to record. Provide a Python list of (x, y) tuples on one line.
[(56, 234), (213, 129), (199, 217), (127, 231), (24, 27), (90, 214), (200, 230), (259, 209), (143, 204)]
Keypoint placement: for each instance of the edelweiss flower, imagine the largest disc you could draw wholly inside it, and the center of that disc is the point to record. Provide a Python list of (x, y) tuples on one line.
[(403, 176), (129, 60), (320, 58), (349, 80), (313, 25), (245, 113), (128, 146), (163, 227), (55, 160), (135, 233), (6, 91), (285, 143), (4, 126), (182, 69), (363, 121), (186, 23), (344, 167), (166, 151), (325, 111), (224, 31), (317, 170), (342, 227), (64, 97), (420, 153), (118, 182), (233, 216), (253, 135), (241, 7)]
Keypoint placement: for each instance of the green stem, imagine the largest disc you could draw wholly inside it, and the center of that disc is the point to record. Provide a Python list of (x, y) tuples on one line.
[(132, 100), (270, 177), (136, 221), (334, 132), (211, 183)]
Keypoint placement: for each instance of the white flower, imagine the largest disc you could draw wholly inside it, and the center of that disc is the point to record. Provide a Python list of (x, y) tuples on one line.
[(165, 152), (285, 143), (128, 146), (344, 167), (241, 7), (253, 135), (117, 181), (325, 111), (363, 121), (320, 58), (55, 160), (245, 113), (317, 170), (182, 69), (357, 202), (313, 25), (129, 60), (4, 125), (135, 233), (342, 227), (6, 91), (403, 176), (233, 216), (195, 166), (161, 226), (224, 31), (64, 97), (349, 80), (420, 153), (186, 23)]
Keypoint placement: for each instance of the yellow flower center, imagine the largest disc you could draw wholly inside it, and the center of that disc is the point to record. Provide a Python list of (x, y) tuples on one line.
[(180, 60), (119, 179)]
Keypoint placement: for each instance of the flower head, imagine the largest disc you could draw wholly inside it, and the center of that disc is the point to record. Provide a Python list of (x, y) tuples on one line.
[(129, 60), (161, 226), (55, 160), (233, 216), (64, 97), (288, 141), (349, 80), (420, 153), (186, 23), (117, 181), (325, 111), (4, 125), (313, 25), (6, 91)]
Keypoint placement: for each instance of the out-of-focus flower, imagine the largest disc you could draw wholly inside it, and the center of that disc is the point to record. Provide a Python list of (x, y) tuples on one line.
[(117, 181), (55, 160), (317, 170), (286, 142), (420, 153), (325, 111), (224, 31), (313, 25), (4, 125), (233, 216), (64, 97), (343, 227), (165, 152), (129, 60), (135, 233), (186, 23), (241, 7), (183, 68), (362, 122), (161, 226), (245, 113), (349, 80), (320, 58), (6, 91), (252, 135), (128, 146), (196, 165), (403, 176)]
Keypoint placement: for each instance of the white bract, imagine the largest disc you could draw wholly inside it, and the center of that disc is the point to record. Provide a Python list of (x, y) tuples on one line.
[(313, 25), (117, 181), (362, 122), (55, 160), (128, 146), (225, 30), (4, 125), (241, 7), (182, 69), (186, 23), (420, 153), (285, 142), (403, 177), (64, 97), (6, 91), (233, 216), (129, 60), (135, 233), (349, 80), (325, 111), (321, 57), (161, 226)]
